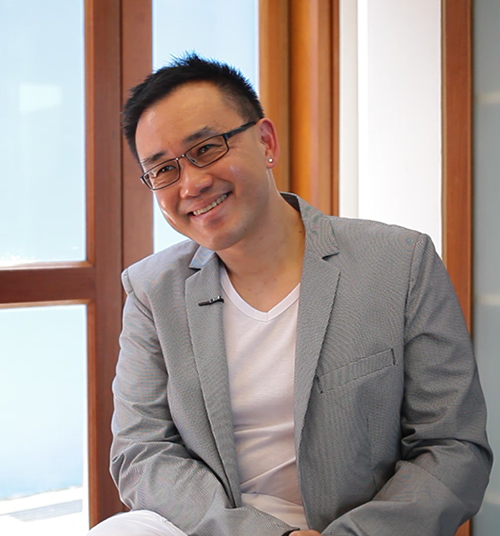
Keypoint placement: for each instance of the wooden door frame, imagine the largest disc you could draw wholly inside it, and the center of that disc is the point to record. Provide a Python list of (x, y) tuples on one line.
[(299, 89), (457, 147), (457, 154)]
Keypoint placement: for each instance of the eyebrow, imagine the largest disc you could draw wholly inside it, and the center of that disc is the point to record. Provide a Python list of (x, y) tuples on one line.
[(149, 160), (201, 134)]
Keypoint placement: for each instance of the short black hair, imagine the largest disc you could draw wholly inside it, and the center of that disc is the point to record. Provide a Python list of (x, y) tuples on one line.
[(184, 70)]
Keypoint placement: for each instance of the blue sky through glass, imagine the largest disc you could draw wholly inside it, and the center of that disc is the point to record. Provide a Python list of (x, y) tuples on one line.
[(42, 189), (42, 398)]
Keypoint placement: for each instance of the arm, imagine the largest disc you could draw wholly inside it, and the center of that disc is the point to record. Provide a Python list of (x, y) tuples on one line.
[(150, 464), (445, 458)]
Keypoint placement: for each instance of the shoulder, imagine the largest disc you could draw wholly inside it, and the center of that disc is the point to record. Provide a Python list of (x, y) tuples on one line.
[(373, 234), (353, 233), (169, 265), (382, 248)]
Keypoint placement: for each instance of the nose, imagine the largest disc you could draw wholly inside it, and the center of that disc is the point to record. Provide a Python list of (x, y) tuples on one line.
[(193, 180)]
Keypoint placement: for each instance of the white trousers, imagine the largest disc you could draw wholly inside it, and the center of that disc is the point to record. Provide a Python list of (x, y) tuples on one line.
[(136, 523)]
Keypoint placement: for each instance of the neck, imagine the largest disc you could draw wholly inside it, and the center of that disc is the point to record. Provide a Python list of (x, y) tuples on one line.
[(267, 268)]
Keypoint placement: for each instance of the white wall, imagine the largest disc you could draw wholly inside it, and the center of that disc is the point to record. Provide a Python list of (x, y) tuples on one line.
[(390, 112)]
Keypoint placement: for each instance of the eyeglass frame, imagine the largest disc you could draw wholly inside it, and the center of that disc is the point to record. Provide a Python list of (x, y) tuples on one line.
[(225, 136)]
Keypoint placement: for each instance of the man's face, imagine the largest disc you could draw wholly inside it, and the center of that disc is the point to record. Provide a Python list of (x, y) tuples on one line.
[(221, 205)]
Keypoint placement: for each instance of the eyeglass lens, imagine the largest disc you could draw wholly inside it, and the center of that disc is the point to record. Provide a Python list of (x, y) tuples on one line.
[(202, 154)]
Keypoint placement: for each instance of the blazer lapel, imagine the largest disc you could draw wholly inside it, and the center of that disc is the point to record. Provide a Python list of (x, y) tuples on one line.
[(317, 294), (206, 327)]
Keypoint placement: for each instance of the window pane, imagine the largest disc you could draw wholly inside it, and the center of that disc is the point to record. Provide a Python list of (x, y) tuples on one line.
[(43, 420), (42, 212), (230, 36), (486, 237)]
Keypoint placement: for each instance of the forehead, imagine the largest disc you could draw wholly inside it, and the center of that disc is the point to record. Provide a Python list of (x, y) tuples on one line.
[(169, 124), (197, 101)]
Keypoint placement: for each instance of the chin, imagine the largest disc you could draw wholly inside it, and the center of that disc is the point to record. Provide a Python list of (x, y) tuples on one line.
[(219, 243)]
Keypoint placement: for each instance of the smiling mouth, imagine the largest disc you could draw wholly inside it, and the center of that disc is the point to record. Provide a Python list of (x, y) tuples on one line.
[(204, 210)]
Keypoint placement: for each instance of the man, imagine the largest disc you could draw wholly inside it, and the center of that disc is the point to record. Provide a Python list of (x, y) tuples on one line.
[(282, 371)]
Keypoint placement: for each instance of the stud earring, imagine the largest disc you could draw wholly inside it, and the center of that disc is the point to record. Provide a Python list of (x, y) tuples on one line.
[(271, 160)]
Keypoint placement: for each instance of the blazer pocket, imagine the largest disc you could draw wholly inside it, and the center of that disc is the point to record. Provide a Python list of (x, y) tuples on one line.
[(355, 370)]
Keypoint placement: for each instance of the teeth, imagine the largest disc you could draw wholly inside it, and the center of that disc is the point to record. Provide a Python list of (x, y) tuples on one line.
[(211, 206)]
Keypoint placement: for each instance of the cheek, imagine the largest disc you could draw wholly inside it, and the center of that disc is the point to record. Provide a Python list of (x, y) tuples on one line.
[(233, 172), (165, 202), (244, 176)]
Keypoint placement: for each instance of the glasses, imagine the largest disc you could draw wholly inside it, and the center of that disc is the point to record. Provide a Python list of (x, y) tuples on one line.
[(200, 155)]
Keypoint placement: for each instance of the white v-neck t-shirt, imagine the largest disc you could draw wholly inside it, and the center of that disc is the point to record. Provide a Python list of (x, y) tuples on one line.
[(260, 350)]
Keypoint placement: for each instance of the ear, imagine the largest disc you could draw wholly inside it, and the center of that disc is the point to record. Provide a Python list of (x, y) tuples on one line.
[(269, 141)]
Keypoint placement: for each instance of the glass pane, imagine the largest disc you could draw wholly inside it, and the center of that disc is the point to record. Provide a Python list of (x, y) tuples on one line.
[(42, 211), (231, 36), (43, 420), (486, 237)]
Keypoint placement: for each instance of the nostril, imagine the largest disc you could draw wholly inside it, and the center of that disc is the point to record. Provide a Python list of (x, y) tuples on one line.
[(194, 182)]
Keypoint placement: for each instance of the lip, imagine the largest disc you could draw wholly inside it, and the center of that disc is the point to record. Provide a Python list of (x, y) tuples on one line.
[(208, 207)]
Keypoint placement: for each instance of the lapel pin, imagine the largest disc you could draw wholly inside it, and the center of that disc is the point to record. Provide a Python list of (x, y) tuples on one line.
[(212, 300)]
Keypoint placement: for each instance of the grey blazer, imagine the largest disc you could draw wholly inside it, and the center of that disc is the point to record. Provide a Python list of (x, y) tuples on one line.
[(389, 414)]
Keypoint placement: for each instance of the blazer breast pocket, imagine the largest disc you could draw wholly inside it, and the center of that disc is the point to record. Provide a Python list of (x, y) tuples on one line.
[(355, 370)]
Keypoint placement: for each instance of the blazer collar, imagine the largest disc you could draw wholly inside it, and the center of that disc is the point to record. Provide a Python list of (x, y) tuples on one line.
[(320, 237)]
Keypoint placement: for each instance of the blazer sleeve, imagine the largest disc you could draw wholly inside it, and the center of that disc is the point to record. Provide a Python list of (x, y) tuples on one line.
[(445, 462), (150, 465)]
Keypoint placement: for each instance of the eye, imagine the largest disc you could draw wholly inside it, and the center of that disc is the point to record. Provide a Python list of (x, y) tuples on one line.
[(166, 169), (205, 148), (208, 150)]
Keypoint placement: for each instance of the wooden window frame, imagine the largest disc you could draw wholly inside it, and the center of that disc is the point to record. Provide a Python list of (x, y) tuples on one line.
[(118, 223), (119, 55)]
